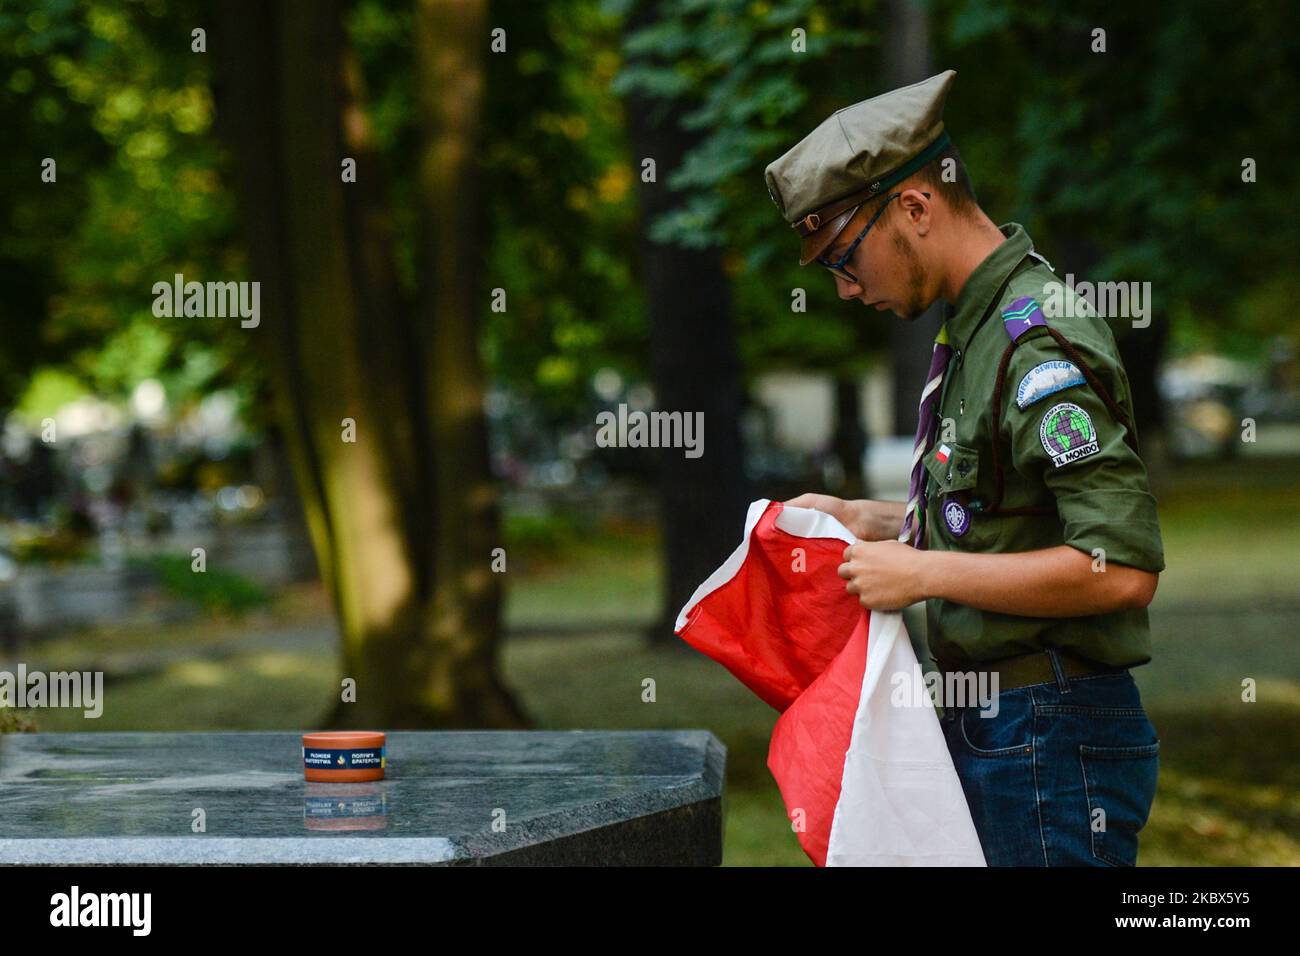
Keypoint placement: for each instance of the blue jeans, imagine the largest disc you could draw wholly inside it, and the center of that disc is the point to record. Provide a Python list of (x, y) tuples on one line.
[(1063, 775)]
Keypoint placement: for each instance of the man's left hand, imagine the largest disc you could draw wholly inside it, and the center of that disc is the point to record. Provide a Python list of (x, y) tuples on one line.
[(885, 575)]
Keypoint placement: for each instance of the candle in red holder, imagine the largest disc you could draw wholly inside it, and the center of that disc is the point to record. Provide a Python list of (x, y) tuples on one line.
[(343, 756)]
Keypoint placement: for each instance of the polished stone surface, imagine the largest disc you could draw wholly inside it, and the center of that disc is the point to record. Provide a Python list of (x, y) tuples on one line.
[(564, 797)]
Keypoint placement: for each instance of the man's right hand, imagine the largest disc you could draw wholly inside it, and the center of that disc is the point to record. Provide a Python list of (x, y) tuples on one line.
[(869, 520)]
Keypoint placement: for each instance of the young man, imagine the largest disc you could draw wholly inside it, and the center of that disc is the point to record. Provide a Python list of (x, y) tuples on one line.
[(1029, 531)]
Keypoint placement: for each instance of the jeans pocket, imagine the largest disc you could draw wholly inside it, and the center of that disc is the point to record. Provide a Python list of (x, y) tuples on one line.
[(1121, 786), (1009, 733)]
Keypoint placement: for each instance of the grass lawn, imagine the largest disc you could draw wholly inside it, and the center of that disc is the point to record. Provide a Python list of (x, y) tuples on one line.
[(1227, 610)]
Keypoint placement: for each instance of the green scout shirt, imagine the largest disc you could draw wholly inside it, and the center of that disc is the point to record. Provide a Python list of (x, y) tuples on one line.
[(1101, 499)]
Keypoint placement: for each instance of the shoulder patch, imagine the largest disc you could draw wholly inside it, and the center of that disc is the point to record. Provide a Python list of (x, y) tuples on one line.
[(1045, 379), (1067, 434), (1022, 315)]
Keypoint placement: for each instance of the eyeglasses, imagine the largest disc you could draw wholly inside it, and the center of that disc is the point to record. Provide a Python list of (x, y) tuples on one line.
[(837, 266)]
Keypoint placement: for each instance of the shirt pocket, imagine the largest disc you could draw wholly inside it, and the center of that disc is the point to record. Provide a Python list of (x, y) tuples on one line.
[(954, 471), (957, 470)]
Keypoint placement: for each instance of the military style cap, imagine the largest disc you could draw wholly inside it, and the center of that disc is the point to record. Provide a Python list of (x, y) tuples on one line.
[(855, 154)]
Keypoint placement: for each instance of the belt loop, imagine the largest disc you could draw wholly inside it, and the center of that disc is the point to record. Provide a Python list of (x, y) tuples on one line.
[(944, 703), (1062, 682), (941, 703)]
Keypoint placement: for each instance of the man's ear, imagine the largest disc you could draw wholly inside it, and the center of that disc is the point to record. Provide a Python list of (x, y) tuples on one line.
[(917, 205)]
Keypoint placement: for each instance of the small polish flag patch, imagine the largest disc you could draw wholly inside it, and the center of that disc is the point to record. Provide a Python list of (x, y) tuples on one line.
[(943, 453)]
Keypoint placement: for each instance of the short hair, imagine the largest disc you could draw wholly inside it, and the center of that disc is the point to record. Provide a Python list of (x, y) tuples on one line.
[(959, 193), (957, 189)]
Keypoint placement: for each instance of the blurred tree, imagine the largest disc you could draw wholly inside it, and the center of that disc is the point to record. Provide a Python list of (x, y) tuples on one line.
[(556, 190), (1125, 164), (111, 95), (908, 59), (404, 517), (714, 93), (1126, 161), (32, 45), (753, 78), (696, 368), (559, 193)]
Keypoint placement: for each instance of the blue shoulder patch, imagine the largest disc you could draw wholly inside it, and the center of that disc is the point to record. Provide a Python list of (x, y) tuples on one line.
[(1046, 379), (1021, 316)]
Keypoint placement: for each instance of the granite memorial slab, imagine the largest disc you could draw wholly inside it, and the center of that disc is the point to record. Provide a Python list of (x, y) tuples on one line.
[(448, 798)]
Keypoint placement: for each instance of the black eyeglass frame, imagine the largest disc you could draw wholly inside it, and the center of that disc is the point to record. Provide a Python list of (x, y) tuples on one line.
[(837, 267)]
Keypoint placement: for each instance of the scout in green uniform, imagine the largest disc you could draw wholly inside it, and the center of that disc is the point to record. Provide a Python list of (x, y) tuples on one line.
[(1029, 529), (1062, 470)]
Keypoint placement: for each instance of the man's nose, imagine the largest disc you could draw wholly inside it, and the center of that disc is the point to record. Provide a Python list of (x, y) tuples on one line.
[(846, 289)]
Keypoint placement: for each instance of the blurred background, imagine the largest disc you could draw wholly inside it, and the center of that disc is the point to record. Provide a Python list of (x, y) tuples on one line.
[(477, 225)]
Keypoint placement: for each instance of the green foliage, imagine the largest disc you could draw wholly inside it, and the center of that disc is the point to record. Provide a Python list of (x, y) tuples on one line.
[(751, 96), (56, 546), (560, 192), (558, 209), (48, 390), (1130, 159), (113, 93), (1134, 156), (544, 535), (44, 124), (214, 590), (736, 64), (15, 722)]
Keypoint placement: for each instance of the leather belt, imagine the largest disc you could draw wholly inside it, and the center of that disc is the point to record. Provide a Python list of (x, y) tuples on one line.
[(1034, 668)]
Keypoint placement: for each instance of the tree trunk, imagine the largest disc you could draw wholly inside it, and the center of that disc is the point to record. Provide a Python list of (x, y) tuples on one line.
[(462, 603), (850, 440), (908, 60), (417, 607), (695, 364)]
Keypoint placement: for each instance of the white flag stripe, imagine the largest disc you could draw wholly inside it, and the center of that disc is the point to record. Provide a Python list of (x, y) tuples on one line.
[(901, 801)]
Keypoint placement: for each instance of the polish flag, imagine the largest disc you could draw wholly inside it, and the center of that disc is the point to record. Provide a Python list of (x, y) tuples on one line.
[(858, 753)]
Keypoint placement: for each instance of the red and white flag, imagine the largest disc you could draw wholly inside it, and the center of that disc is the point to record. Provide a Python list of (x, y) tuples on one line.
[(858, 753)]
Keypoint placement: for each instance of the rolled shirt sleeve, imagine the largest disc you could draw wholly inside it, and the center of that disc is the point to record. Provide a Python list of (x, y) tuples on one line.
[(1069, 439)]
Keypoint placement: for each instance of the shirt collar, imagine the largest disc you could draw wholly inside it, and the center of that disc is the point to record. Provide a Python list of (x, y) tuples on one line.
[(973, 301)]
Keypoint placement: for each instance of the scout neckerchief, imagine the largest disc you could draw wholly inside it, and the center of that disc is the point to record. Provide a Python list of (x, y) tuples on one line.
[(914, 520), (913, 531)]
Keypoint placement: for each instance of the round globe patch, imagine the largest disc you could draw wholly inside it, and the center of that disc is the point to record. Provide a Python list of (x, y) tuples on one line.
[(956, 517), (1067, 434)]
